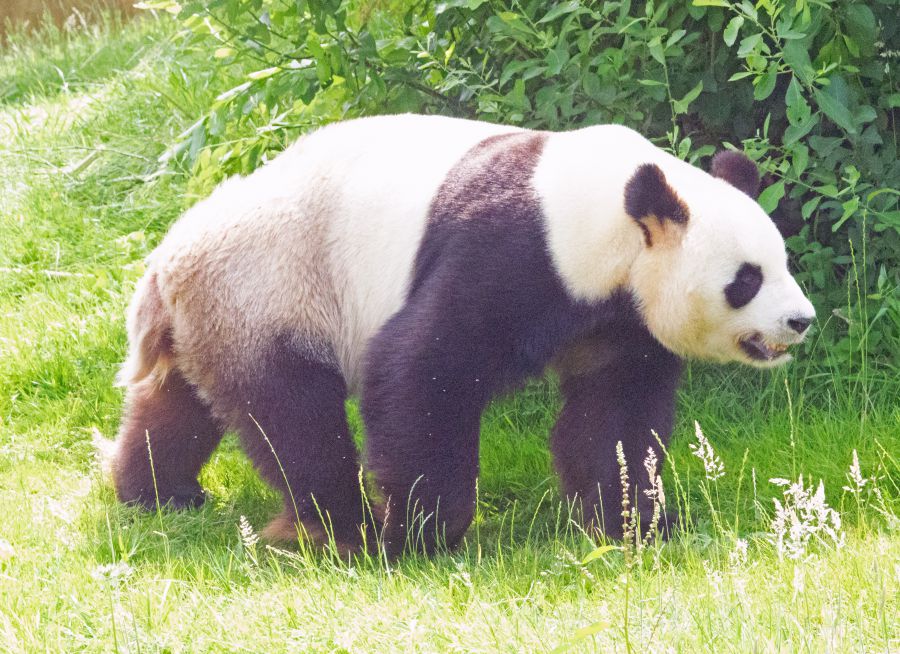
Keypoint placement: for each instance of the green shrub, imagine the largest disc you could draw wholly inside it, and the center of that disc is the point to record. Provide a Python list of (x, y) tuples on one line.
[(808, 88)]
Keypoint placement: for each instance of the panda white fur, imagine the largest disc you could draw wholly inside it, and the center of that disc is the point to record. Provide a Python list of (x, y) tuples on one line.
[(427, 264)]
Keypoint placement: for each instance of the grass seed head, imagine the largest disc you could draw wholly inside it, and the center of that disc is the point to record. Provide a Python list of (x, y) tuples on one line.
[(855, 476), (628, 538), (704, 451), (803, 517)]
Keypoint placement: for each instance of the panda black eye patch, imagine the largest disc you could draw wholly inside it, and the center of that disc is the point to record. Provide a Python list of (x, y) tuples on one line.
[(746, 284)]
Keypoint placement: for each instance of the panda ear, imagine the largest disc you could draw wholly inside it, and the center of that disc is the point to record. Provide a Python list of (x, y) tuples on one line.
[(737, 169), (655, 206)]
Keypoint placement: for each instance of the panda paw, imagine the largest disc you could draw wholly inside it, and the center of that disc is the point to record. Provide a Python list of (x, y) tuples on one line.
[(188, 498), (285, 529)]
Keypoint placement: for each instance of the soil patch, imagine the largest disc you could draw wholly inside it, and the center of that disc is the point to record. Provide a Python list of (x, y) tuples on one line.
[(31, 12)]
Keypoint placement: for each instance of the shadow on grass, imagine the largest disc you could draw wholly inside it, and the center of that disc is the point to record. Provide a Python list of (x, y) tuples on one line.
[(206, 542)]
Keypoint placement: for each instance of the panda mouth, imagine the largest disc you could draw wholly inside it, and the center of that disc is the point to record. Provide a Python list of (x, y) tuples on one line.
[(756, 347)]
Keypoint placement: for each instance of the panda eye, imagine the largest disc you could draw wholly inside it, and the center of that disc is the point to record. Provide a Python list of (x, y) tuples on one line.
[(746, 284)]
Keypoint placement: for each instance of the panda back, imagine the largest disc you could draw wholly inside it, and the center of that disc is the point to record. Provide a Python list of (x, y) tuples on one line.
[(320, 242)]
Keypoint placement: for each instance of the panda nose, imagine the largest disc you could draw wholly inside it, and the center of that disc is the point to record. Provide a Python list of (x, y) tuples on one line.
[(799, 323)]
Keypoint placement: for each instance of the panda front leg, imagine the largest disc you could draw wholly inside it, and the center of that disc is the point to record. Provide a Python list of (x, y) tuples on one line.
[(427, 488), (613, 391), (421, 402)]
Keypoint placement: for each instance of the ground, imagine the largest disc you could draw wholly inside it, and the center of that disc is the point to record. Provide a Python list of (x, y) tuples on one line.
[(84, 116)]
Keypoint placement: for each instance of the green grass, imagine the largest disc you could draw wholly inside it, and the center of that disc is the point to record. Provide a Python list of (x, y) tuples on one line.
[(83, 118)]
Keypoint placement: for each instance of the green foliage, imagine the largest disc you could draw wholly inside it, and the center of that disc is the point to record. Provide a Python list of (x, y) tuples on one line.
[(808, 89)]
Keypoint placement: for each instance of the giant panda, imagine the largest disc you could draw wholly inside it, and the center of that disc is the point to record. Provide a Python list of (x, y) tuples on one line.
[(428, 264)]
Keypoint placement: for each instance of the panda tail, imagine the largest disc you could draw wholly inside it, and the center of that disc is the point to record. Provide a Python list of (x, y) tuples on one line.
[(149, 335)]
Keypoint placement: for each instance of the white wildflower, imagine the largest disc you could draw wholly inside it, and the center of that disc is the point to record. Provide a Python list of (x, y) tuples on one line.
[(112, 572), (573, 563), (738, 556), (6, 550), (654, 492), (857, 481), (466, 579), (462, 575), (660, 493), (650, 462), (893, 521), (249, 538), (703, 450), (715, 579), (803, 517)]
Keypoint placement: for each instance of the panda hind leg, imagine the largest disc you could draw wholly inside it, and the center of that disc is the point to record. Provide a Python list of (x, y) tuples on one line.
[(292, 423), (167, 434)]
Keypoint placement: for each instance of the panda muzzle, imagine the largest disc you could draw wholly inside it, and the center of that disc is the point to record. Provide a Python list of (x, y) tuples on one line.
[(756, 347)]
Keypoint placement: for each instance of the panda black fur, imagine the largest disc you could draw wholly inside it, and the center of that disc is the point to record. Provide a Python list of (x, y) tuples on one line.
[(429, 264)]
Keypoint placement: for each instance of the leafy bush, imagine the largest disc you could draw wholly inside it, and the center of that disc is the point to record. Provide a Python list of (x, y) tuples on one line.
[(807, 88)]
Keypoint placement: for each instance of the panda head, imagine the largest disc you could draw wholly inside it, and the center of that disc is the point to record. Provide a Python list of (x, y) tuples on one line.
[(712, 279)]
